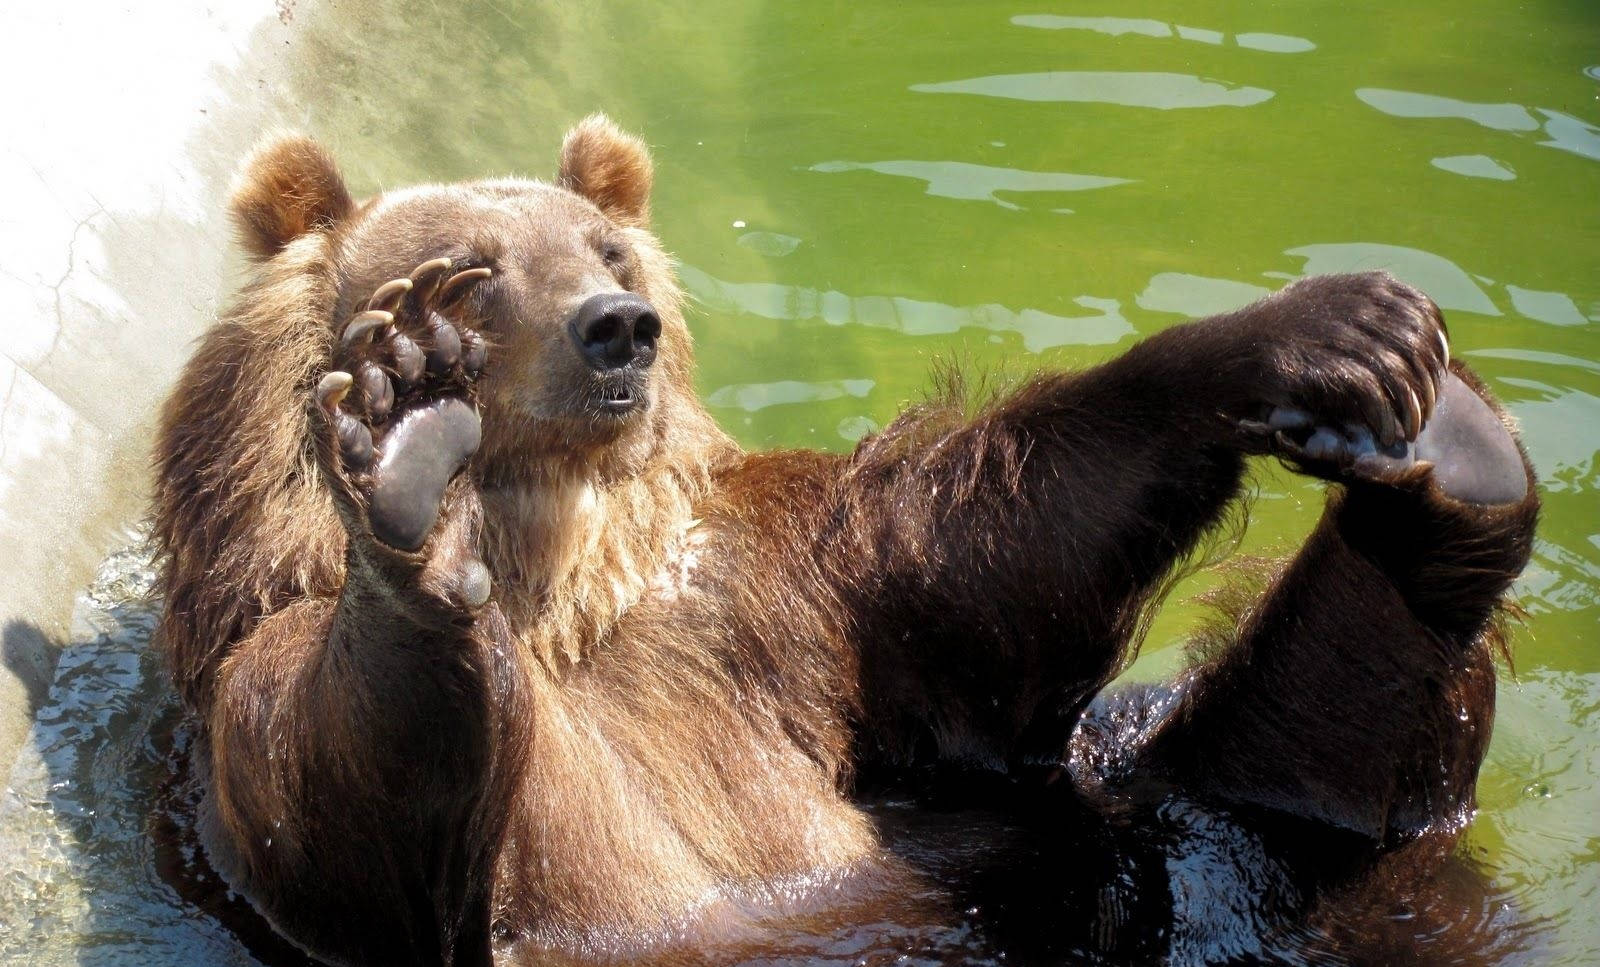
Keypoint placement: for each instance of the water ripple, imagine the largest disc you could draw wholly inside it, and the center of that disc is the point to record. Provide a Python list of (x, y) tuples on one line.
[(1566, 133), (1118, 26), (1444, 281), (1153, 89), (970, 182), (1475, 166), (752, 397), (1406, 104), (913, 317)]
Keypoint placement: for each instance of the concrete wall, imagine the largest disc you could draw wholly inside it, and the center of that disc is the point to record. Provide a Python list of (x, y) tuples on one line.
[(123, 124)]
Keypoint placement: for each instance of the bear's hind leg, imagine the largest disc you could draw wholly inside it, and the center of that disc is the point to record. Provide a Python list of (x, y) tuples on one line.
[(1359, 690)]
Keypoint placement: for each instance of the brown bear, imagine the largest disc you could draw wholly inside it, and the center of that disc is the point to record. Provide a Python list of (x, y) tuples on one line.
[(500, 650)]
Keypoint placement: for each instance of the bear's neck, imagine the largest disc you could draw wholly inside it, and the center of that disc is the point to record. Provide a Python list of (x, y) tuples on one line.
[(571, 553)]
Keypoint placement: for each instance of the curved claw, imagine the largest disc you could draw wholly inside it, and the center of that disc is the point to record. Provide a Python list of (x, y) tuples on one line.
[(1429, 398), (331, 389), (1378, 415), (1444, 348), (460, 282), (1413, 414), (364, 324), (389, 294), (426, 277), (355, 440)]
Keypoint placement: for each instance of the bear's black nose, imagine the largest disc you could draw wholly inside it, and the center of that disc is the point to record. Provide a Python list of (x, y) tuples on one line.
[(616, 329)]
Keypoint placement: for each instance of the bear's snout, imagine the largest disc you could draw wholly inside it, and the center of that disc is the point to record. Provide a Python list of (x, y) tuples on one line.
[(616, 330)]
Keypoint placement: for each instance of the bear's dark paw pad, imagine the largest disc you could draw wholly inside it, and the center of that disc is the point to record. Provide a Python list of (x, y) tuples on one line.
[(1475, 460), (421, 452), (398, 401)]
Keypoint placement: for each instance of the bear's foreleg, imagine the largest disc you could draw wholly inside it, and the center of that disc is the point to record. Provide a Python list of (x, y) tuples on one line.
[(1013, 555), (359, 758)]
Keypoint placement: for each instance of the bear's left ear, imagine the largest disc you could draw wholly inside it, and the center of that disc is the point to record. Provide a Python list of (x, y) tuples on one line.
[(609, 167)]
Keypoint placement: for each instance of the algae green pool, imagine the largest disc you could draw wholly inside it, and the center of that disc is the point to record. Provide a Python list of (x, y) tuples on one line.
[(856, 190)]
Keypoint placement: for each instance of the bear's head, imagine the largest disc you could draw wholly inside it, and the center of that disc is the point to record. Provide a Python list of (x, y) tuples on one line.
[(590, 362)]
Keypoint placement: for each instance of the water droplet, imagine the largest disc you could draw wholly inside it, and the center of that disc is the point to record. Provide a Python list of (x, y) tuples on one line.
[(1536, 790), (738, 223)]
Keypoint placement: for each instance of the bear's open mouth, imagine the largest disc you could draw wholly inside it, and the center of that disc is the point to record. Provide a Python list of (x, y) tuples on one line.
[(621, 395)]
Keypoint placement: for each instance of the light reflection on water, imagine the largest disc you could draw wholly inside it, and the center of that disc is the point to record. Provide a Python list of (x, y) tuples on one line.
[(1153, 89), (957, 179), (1566, 132), (912, 317), (1117, 26), (1475, 166)]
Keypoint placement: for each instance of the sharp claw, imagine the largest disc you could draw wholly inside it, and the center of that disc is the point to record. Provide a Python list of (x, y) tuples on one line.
[(1444, 348), (1428, 399), (378, 392), (445, 350), (363, 325), (408, 359), (426, 278), (389, 294), (459, 282), (474, 352), (1413, 414), (331, 389), (1385, 424)]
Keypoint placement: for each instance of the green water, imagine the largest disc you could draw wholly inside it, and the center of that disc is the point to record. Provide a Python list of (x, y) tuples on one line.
[(856, 190)]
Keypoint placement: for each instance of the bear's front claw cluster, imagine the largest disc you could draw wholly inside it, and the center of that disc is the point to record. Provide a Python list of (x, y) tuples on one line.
[(1353, 368), (396, 403)]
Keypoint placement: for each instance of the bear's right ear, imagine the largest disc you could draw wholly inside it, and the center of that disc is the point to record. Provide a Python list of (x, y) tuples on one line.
[(288, 187), (609, 167)]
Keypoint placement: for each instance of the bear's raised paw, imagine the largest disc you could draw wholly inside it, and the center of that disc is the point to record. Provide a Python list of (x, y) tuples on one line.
[(399, 402)]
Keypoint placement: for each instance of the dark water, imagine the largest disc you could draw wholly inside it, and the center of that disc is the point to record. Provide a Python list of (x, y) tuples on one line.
[(856, 190)]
